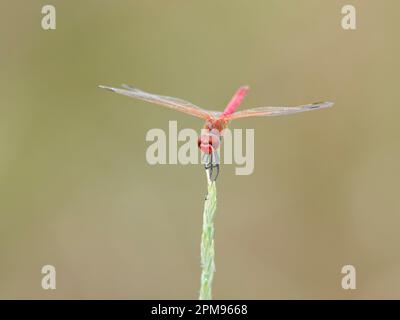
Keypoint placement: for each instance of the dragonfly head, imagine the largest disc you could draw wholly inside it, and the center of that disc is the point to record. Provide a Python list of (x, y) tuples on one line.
[(209, 140)]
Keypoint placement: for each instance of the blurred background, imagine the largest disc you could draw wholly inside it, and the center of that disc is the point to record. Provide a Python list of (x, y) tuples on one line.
[(76, 191)]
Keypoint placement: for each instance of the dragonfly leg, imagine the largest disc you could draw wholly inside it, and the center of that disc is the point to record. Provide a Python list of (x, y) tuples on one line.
[(211, 165)]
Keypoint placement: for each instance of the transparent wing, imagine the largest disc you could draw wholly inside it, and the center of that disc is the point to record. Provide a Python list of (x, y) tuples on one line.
[(278, 111), (170, 102)]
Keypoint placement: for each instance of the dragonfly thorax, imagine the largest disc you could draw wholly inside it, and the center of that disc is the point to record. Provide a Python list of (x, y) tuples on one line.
[(216, 124)]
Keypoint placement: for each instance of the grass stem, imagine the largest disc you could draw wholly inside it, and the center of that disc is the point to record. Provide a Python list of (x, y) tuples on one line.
[(207, 243)]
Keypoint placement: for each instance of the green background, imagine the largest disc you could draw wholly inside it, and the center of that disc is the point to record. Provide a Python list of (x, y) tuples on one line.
[(76, 191)]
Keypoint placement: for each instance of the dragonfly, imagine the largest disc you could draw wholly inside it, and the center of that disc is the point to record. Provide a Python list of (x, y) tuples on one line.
[(214, 121)]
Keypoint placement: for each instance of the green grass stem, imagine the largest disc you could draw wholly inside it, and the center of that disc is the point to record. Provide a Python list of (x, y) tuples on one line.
[(207, 243)]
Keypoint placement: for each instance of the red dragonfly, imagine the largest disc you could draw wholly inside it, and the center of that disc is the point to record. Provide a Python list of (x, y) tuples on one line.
[(215, 121)]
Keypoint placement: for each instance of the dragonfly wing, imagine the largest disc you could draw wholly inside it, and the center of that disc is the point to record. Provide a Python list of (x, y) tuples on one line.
[(169, 102), (278, 111)]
